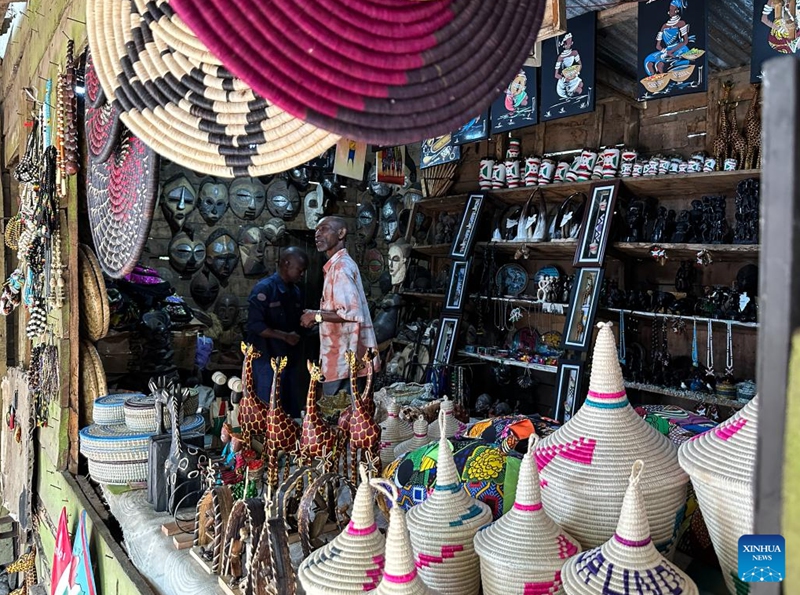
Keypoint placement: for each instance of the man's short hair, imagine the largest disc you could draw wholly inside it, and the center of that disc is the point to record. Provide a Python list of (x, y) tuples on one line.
[(293, 253)]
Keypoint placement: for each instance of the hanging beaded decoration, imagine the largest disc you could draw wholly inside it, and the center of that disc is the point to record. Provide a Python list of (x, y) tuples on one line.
[(710, 352), (729, 353), (695, 354), (43, 380), (622, 348)]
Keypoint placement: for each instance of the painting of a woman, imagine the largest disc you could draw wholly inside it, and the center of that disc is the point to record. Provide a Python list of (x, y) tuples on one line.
[(672, 41)]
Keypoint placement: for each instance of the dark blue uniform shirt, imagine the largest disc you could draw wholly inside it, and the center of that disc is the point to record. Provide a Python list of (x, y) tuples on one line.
[(275, 305)]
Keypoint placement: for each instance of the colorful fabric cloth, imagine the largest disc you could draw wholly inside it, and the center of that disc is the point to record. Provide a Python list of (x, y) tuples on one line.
[(343, 293), (489, 474), (508, 429)]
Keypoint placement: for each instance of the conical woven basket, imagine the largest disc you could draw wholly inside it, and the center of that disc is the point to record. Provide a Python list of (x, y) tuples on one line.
[(400, 575), (393, 432), (443, 528), (524, 547), (584, 463), (452, 425), (352, 563), (721, 463), (628, 562), (420, 438)]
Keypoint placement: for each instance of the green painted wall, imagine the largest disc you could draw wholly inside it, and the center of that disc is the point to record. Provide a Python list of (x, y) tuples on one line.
[(791, 473)]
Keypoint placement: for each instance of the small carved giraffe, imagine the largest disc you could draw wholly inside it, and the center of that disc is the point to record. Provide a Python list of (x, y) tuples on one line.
[(753, 132), (344, 416), (25, 564), (365, 433), (252, 411), (283, 433), (317, 437), (738, 147), (721, 146)]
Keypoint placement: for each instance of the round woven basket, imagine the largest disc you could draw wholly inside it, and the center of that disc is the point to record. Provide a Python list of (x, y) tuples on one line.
[(95, 310), (118, 472), (93, 379), (140, 412), (452, 426), (443, 527), (352, 563), (110, 409), (524, 547), (420, 438), (628, 562), (584, 463), (393, 432), (721, 464)]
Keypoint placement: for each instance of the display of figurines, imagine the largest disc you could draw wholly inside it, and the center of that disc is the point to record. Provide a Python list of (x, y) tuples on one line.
[(664, 225), (714, 227), (445, 228), (747, 212), (513, 176)]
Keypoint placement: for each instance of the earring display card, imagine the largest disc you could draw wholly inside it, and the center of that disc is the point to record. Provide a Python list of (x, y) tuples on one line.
[(596, 228), (457, 287), (464, 240), (582, 309), (568, 389), (447, 339)]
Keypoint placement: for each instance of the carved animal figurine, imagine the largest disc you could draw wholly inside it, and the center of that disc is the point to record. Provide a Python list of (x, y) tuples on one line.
[(253, 413), (182, 467), (721, 145), (344, 416), (317, 437), (283, 433), (365, 433), (752, 133), (212, 515), (25, 564), (738, 146)]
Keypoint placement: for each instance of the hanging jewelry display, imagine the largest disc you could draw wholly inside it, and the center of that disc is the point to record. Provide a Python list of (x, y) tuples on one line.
[(710, 352), (622, 348), (729, 352), (695, 354), (70, 110), (43, 380)]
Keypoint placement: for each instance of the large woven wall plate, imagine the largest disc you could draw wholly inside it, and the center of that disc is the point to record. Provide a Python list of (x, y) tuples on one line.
[(95, 310), (383, 72), (173, 94)]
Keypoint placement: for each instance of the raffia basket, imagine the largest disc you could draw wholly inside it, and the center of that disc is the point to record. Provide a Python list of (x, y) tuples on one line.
[(119, 472), (393, 432), (95, 309), (420, 438), (352, 563), (628, 562), (721, 463), (583, 464), (140, 411), (93, 379), (524, 546), (444, 526), (452, 426), (109, 410)]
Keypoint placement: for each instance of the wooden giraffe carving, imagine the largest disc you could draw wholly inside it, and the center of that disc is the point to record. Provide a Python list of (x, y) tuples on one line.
[(283, 433), (344, 418), (25, 564), (738, 146), (253, 412), (317, 437), (721, 145), (365, 433), (753, 132)]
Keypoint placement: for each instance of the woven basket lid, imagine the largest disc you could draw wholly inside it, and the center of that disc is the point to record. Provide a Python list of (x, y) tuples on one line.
[(420, 438), (109, 409), (381, 72), (93, 378), (393, 432), (179, 100), (353, 562), (95, 310), (628, 562), (583, 464), (451, 426), (524, 545), (120, 192)]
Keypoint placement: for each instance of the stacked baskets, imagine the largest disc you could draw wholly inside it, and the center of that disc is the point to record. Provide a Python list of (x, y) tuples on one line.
[(444, 526), (420, 438), (524, 549), (393, 432), (628, 562), (583, 464), (140, 411), (721, 464), (452, 426)]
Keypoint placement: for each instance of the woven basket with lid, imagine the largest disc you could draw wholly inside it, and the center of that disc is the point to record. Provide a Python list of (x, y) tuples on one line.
[(524, 548), (110, 409), (452, 426), (393, 431), (444, 526), (628, 562), (721, 463), (583, 465), (420, 438)]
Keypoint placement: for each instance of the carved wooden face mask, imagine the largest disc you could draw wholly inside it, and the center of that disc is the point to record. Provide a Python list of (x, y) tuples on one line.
[(227, 310), (222, 254), (252, 245), (314, 206), (213, 202), (246, 197), (283, 200), (186, 255), (204, 289), (366, 221), (178, 200)]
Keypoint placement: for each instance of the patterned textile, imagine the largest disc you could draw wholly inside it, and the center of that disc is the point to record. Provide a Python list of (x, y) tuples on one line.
[(511, 429), (489, 474), (343, 293)]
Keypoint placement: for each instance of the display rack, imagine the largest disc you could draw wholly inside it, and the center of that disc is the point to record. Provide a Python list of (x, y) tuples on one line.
[(686, 317), (690, 395), (509, 362)]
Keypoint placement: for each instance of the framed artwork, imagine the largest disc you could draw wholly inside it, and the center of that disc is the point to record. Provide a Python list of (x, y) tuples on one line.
[(568, 388), (390, 165), (775, 32), (568, 86), (582, 309), (350, 157), (447, 338), (457, 287), (464, 239), (534, 59), (554, 21), (439, 150), (516, 107), (475, 130), (596, 226), (672, 57)]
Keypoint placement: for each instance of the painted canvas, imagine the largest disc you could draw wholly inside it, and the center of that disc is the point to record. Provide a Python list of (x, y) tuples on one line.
[(775, 32), (475, 130), (672, 48), (568, 85), (350, 157), (517, 105), (439, 150)]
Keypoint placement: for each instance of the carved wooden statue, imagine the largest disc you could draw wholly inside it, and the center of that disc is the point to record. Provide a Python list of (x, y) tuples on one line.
[(753, 132), (242, 533), (721, 146), (26, 564), (317, 437), (365, 433), (213, 512), (253, 412), (283, 433), (182, 468)]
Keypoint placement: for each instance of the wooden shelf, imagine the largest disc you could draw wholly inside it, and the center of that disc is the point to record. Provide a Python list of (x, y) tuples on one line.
[(640, 314), (685, 394), (433, 297), (433, 249), (556, 249), (510, 362), (718, 252), (547, 307), (674, 186)]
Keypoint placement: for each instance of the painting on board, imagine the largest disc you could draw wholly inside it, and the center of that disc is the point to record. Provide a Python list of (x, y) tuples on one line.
[(672, 53), (775, 32), (567, 86), (516, 107), (476, 129)]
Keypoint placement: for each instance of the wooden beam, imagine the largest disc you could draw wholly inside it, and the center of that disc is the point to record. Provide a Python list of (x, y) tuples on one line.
[(617, 85), (625, 11)]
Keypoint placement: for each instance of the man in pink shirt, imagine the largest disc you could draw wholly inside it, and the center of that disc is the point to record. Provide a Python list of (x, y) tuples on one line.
[(343, 318)]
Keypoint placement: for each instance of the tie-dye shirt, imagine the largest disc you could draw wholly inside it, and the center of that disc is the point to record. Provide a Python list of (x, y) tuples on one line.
[(343, 294)]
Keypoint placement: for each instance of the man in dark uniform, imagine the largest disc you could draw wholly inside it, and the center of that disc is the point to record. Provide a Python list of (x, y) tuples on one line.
[(273, 325)]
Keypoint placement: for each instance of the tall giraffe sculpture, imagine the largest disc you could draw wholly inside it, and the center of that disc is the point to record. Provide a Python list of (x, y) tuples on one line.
[(344, 417), (738, 146), (365, 433), (25, 564), (253, 412), (283, 433), (721, 145), (753, 132), (317, 438)]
